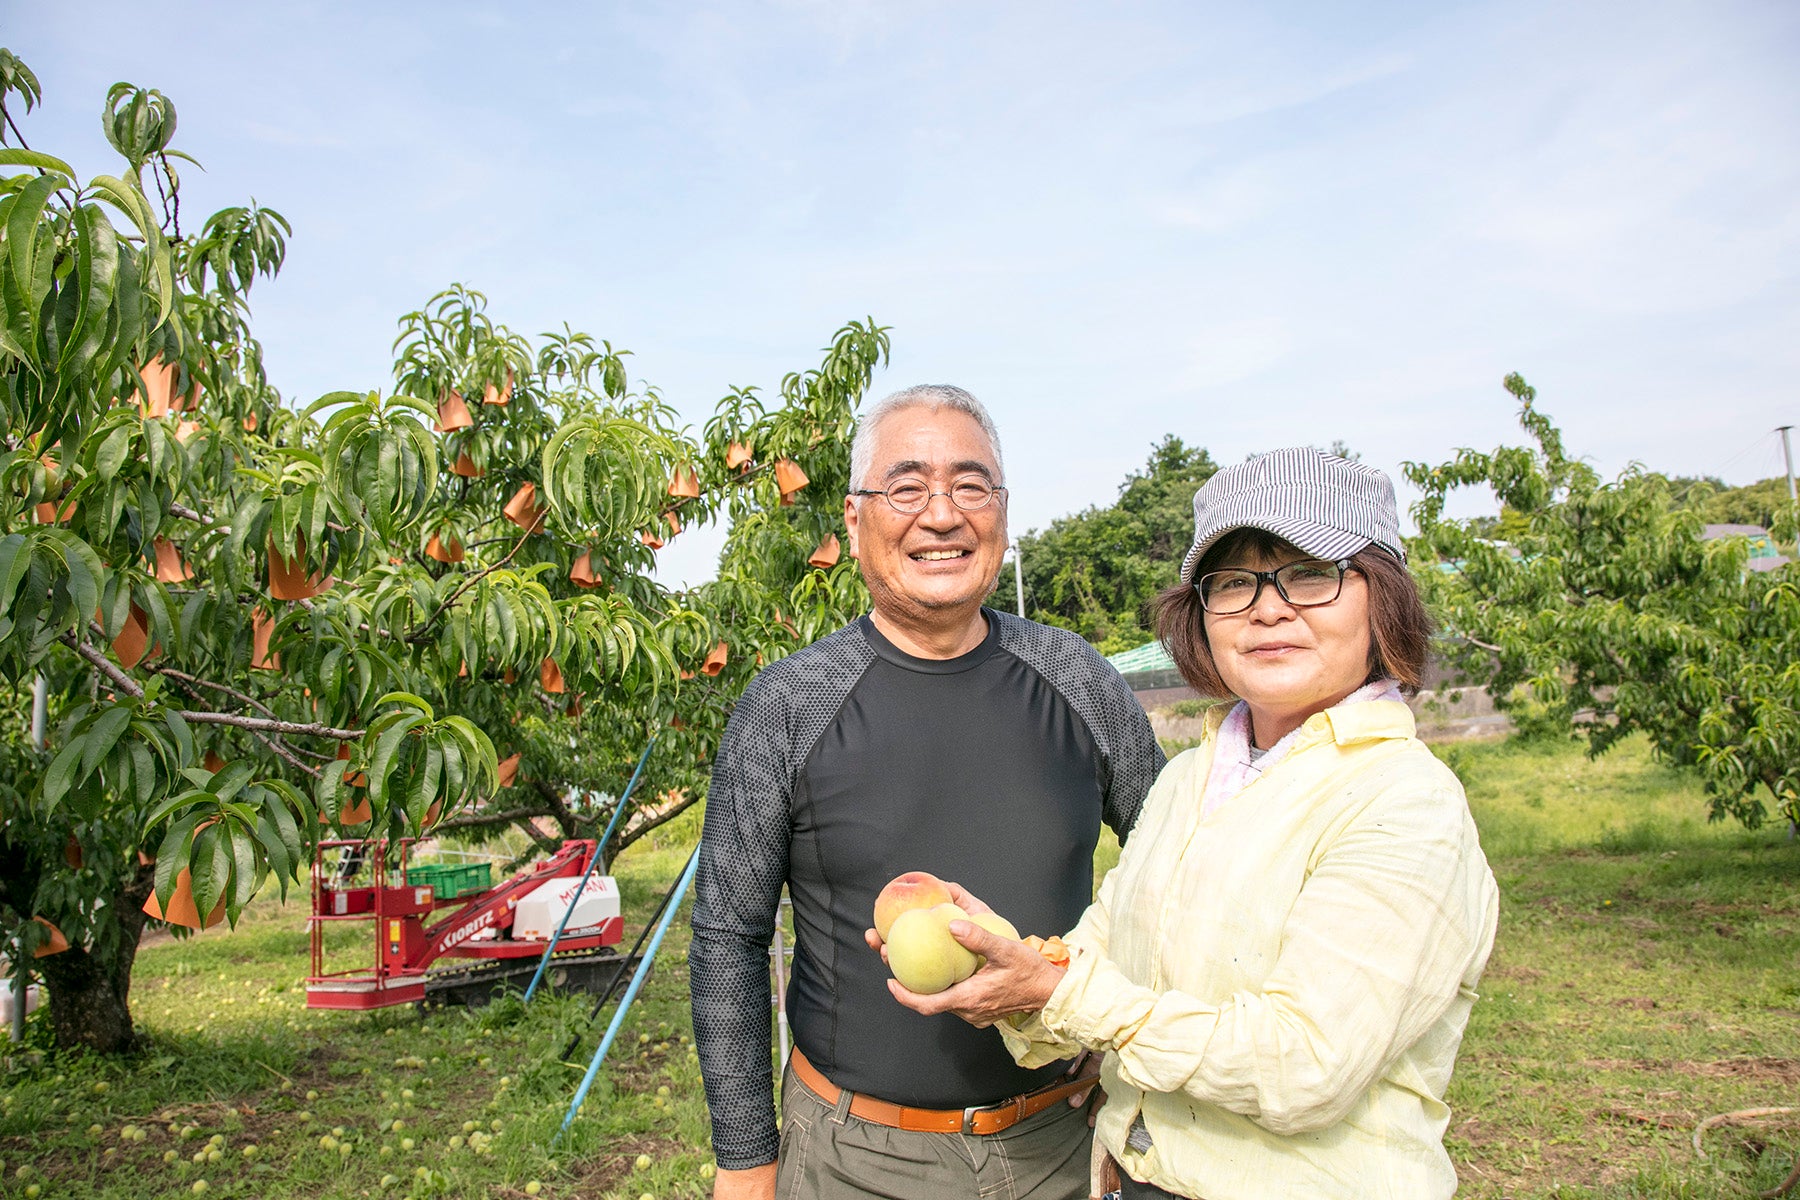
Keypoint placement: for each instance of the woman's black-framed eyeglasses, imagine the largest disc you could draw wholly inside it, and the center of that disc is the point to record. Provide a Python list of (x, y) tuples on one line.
[(969, 493), (1304, 584)]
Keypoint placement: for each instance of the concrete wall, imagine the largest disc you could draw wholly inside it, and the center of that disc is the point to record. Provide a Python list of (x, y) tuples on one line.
[(1446, 714)]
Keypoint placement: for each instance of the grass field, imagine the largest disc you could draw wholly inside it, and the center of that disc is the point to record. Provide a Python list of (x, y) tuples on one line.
[(1647, 976)]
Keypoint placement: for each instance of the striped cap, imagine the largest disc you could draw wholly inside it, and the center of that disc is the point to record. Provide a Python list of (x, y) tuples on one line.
[(1327, 506)]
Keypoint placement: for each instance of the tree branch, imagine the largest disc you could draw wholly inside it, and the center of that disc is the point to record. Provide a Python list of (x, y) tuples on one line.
[(238, 721), (130, 687), (561, 812), (276, 746), (200, 518), (103, 665), (488, 820), (418, 634), (14, 126), (628, 836), (188, 514), (189, 682)]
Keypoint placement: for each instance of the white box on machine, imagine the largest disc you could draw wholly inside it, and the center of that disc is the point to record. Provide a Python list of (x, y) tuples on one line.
[(538, 912)]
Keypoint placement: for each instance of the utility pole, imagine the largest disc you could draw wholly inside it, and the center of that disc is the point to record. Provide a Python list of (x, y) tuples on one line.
[(1787, 454), (40, 710), (21, 976), (1019, 567)]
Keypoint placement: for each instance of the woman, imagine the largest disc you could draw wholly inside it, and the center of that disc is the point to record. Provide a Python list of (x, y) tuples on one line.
[(1281, 966)]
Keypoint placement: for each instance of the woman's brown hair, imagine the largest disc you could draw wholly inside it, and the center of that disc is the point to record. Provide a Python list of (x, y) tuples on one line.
[(1399, 626)]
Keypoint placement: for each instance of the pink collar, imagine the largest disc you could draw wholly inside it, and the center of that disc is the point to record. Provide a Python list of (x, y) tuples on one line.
[(1233, 768)]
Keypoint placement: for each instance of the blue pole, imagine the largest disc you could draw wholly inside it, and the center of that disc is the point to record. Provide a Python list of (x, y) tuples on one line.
[(575, 896), (619, 809), (637, 982)]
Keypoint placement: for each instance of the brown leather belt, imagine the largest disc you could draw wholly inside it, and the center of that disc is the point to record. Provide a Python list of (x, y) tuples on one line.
[(987, 1119)]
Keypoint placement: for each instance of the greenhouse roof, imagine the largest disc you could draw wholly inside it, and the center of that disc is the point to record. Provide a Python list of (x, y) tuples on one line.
[(1151, 656)]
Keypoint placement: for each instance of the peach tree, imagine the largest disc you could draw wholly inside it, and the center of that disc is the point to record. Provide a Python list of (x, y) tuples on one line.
[(1604, 613), (246, 625)]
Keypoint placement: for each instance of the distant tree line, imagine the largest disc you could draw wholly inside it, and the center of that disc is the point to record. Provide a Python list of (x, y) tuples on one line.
[(1096, 571)]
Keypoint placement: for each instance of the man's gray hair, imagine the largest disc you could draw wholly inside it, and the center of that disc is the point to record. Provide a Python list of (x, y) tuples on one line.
[(932, 396)]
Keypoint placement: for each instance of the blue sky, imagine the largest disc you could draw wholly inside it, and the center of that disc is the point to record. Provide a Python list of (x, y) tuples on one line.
[(1247, 225)]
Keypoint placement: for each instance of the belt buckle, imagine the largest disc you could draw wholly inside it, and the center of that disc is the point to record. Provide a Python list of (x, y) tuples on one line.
[(1016, 1105)]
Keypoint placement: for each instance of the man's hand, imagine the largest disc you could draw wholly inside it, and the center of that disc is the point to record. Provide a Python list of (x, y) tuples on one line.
[(1087, 1066), (756, 1183), (1015, 978), (966, 900)]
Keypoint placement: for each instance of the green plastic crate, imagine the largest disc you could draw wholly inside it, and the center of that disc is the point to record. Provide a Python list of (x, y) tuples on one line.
[(450, 880)]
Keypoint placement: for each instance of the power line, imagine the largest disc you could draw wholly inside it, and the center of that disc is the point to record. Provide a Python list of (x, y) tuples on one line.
[(1766, 443)]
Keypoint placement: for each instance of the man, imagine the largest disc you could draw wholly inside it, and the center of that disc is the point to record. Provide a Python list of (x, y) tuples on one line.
[(930, 735)]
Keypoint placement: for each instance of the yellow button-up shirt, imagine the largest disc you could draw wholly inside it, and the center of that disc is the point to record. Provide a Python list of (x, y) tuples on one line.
[(1282, 985)]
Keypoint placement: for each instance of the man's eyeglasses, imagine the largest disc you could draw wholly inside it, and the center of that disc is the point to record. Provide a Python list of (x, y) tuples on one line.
[(970, 493), (1304, 584)]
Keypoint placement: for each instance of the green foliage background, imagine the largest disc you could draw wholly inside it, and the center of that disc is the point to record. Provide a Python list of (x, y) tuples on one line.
[(1097, 571), (255, 624)]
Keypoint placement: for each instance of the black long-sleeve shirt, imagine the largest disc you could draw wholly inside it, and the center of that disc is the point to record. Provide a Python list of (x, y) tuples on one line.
[(852, 762)]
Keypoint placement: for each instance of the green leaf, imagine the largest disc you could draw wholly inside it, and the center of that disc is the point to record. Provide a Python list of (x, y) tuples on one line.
[(101, 738), (210, 864), (328, 792), (423, 787), (244, 874), (19, 157), (22, 241), (230, 778), (274, 848), (331, 400), (143, 772), (61, 775), (172, 855), (112, 452), (386, 747), (85, 573), (169, 805), (15, 561), (128, 199)]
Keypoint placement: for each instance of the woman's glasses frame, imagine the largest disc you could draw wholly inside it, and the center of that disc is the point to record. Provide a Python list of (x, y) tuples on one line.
[(1283, 578)]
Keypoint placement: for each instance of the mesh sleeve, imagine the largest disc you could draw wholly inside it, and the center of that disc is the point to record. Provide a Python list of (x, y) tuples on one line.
[(737, 887), (1131, 757)]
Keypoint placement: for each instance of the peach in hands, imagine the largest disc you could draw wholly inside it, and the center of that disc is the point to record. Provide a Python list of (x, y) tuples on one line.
[(913, 890), (923, 955)]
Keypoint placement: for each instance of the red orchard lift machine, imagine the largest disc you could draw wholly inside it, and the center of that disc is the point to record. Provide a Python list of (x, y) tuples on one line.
[(492, 935)]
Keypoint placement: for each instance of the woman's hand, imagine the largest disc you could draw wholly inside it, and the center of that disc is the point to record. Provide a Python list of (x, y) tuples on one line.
[(1015, 978)]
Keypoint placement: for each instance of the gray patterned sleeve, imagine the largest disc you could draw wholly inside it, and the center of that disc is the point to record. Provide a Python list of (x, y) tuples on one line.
[(743, 865), (1134, 756)]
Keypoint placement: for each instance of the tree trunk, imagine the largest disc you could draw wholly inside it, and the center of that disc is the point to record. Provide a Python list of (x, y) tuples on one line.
[(90, 989)]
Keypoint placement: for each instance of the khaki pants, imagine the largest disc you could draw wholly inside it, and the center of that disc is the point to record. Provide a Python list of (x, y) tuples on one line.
[(827, 1154)]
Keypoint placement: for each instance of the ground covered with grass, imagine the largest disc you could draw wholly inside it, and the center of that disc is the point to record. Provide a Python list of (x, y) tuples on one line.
[(1647, 977), (243, 1092)]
